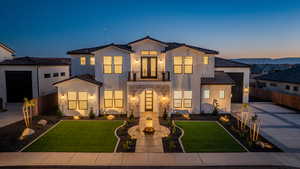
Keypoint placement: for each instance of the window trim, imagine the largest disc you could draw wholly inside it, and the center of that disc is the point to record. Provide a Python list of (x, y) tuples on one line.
[(87, 101), (71, 100), (183, 65), (110, 65), (122, 99), (114, 65), (182, 99), (112, 99), (94, 60)]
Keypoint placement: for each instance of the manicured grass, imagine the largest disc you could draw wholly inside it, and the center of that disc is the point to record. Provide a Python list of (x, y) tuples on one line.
[(207, 137), (78, 136)]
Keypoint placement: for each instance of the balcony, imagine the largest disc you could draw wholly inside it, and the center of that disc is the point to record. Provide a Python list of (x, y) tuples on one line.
[(160, 76)]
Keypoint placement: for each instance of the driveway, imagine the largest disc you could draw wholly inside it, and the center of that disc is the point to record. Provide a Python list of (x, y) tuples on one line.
[(280, 125), (13, 114)]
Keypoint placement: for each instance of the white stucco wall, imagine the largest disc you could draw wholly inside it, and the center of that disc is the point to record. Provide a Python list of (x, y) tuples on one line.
[(224, 104), (77, 85), (46, 84), (246, 73), (5, 54)]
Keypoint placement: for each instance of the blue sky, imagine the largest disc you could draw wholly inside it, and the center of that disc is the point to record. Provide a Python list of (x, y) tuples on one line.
[(237, 28)]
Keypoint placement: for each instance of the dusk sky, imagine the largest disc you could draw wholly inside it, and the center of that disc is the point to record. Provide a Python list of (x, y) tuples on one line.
[(236, 28)]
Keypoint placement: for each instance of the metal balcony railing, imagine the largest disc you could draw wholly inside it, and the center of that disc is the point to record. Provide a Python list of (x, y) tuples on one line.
[(160, 76)]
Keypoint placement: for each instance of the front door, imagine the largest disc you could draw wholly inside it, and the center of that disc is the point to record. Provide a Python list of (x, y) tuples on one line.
[(149, 67), (149, 100)]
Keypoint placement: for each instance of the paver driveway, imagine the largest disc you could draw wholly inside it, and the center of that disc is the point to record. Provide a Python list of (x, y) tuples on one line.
[(280, 125)]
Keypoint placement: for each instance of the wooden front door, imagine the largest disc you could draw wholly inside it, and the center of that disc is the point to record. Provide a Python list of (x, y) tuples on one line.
[(149, 100), (149, 67)]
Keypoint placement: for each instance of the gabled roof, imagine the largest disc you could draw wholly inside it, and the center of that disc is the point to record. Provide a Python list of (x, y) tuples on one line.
[(93, 49), (220, 78), (85, 77), (289, 76), (36, 61), (147, 37), (7, 48), (174, 45), (221, 62)]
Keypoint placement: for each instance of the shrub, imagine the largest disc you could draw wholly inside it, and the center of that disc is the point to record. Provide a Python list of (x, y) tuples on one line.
[(58, 112), (216, 107), (91, 114), (131, 117)]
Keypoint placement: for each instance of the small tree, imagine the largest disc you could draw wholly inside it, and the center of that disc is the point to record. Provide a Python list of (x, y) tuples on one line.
[(27, 113)]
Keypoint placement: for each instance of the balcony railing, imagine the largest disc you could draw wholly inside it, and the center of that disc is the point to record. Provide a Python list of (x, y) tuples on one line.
[(161, 76)]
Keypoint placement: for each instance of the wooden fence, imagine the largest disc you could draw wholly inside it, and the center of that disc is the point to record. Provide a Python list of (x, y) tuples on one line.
[(284, 99), (46, 104)]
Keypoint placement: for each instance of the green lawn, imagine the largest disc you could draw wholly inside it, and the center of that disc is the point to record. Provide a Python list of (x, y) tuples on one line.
[(78, 136), (207, 137)]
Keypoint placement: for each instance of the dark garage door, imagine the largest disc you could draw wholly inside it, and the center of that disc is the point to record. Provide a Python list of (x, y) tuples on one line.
[(237, 89), (18, 85)]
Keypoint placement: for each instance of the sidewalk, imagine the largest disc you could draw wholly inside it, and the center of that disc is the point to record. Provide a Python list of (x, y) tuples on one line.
[(150, 159)]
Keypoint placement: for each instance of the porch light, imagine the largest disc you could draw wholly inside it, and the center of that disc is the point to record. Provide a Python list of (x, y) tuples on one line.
[(62, 96), (246, 89), (136, 61), (91, 96)]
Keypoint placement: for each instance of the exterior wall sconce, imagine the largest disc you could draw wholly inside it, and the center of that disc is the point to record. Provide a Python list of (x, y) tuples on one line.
[(246, 89), (91, 96), (62, 96), (136, 61)]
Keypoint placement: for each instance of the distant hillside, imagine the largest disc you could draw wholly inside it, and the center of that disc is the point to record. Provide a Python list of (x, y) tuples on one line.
[(287, 60)]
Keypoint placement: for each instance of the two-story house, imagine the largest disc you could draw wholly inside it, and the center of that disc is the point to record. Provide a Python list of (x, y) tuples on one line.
[(149, 75)]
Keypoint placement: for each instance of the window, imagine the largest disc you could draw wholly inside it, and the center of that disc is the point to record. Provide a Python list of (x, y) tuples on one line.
[(182, 99), (62, 74), (287, 87), (82, 100), (82, 60), (177, 99), (205, 60), (206, 94), (118, 62), (222, 94), (187, 99), (72, 97), (55, 74), (47, 75), (118, 98), (113, 99), (92, 60), (177, 64), (107, 64), (183, 64), (295, 88), (149, 52)]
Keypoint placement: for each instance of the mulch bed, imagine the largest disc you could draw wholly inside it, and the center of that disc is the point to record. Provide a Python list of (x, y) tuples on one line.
[(9, 135), (171, 143), (204, 117), (100, 117), (126, 144)]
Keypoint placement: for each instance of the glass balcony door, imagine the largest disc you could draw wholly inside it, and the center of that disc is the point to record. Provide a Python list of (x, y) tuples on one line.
[(149, 67)]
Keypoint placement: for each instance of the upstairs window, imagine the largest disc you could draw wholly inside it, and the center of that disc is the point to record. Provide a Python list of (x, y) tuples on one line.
[(182, 99), (47, 75), (183, 64), (118, 64), (205, 60), (149, 53), (107, 64), (82, 60), (62, 74), (92, 60), (55, 74), (206, 94)]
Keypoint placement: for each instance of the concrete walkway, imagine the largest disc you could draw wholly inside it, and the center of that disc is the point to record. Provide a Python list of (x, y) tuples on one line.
[(13, 114), (150, 159)]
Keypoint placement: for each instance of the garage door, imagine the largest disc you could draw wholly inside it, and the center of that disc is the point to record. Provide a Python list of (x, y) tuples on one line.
[(18, 85), (237, 89)]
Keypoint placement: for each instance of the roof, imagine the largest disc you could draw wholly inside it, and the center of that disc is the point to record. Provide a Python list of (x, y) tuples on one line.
[(93, 49), (221, 62), (36, 61), (169, 46), (85, 77), (220, 78), (289, 76), (7, 48)]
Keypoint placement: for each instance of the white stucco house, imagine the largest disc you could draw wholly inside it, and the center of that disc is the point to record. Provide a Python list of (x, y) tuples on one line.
[(151, 75), (30, 77), (6, 52)]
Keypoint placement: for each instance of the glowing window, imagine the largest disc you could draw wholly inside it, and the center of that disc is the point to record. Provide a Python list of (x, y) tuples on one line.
[(107, 64), (222, 94), (118, 98), (177, 99), (72, 100), (188, 64), (82, 60), (92, 60), (108, 98), (82, 100), (177, 64), (187, 99), (149, 52), (206, 94), (118, 64), (205, 60)]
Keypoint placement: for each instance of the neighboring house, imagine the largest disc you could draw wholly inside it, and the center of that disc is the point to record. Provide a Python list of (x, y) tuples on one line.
[(285, 81), (6, 52), (151, 75), (31, 77)]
